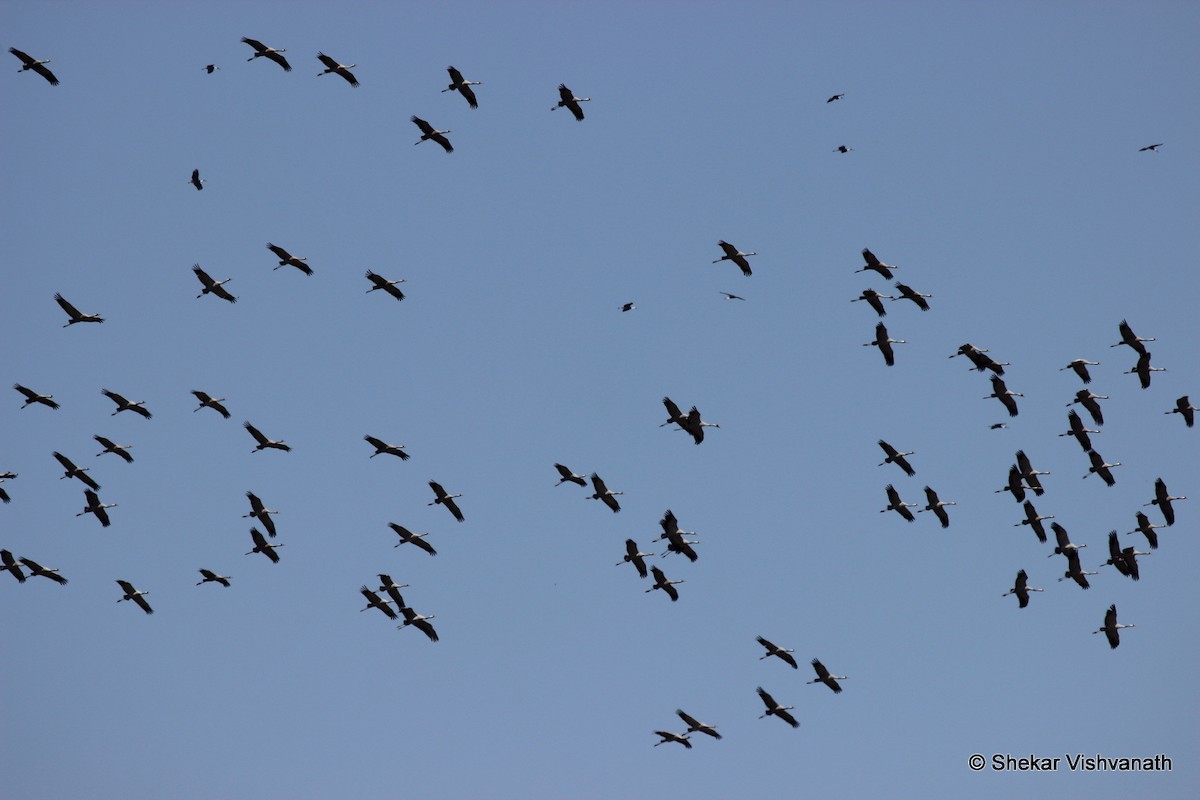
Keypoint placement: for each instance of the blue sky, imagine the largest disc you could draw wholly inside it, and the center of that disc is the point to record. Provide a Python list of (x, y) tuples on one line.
[(995, 159)]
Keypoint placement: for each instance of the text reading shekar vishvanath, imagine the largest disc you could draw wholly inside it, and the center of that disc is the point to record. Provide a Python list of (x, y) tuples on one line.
[(1077, 762)]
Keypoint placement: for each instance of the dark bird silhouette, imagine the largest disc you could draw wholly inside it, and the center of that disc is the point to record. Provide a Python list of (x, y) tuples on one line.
[(661, 582), (695, 426), (135, 595), (1034, 520), (429, 132), (1001, 392), (1130, 338), (674, 537), (74, 313), (1153, 148), (1111, 629), (94, 506), (1015, 485), (635, 557), (628, 307), (1145, 528), (1125, 560), (1022, 589), (875, 264), (408, 537), (264, 442), (1063, 544), (124, 405), (937, 506), (776, 710), (696, 726), (418, 621), (736, 256), (386, 584), (261, 513), (566, 475), (841, 148), (1088, 401), (884, 342), (381, 283), (567, 98), (1184, 406), (1074, 571), (729, 296), (261, 50), (33, 397), (1080, 367), (446, 500), (213, 287), (211, 577), (110, 446), (286, 259), (4, 497), (980, 359), (29, 62), (824, 677), (73, 471), (208, 401), (210, 68), (36, 570), (383, 448), (261, 545), (898, 505), (1163, 500), (896, 457), (835, 97), (1143, 369), (1079, 431), (199, 184), (908, 293), (668, 738), (375, 601), (1102, 468), (1029, 474), (7, 562), (873, 299), (775, 650), (673, 413), (463, 87), (604, 494), (334, 67)]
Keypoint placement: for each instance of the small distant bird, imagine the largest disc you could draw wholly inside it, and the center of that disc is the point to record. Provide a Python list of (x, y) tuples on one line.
[(996, 426), (1163, 499), (110, 446), (628, 307), (4, 497), (635, 557), (1022, 589), (1080, 366), (1184, 406), (208, 401), (264, 442), (261, 513), (124, 405), (841, 148), (570, 101), (875, 264), (262, 546), (211, 68), (408, 537), (604, 494), (446, 500), (695, 726), (418, 621), (824, 677), (1102, 468), (463, 87), (33, 397), (668, 737), (135, 595), (736, 256), (36, 569), (873, 297), (1130, 338), (1153, 148), (661, 582), (382, 448), (775, 650), (835, 97), (383, 283), (729, 296), (898, 505), (212, 577), (73, 471), (567, 475), (896, 457), (937, 506), (1143, 369), (908, 293), (270, 52), (776, 710), (375, 601), (884, 342), (1001, 392), (213, 287), (1088, 401), (429, 132), (12, 565), (94, 506), (74, 313), (337, 69), (199, 184), (29, 62), (1111, 628), (286, 259)]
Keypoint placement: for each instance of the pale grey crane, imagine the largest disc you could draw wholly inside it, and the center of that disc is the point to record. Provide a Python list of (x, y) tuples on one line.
[(381, 283), (418, 621), (208, 576), (375, 601), (566, 475), (908, 293), (208, 401), (110, 446), (897, 457), (408, 537), (28, 62), (7, 562), (1111, 629), (1001, 392), (261, 513), (634, 556), (94, 506), (212, 286), (1143, 369), (668, 738), (736, 256), (1184, 406), (776, 710), (382, 448), (1080, 367), (695, 426), (124, 405), (696, 726), (1034, 520), (978, 356), (673, 413), (261, 545), (286, 259), (429, 132), (775, 650), (1079, 431), (463, 87), (1163, 500), (1145, 528), (898, 505), (875, 264), (386, 584), (135, 595), (261, 50), (824, 677), (446, 500), (74, 313), (73, 471), (36, 570), (661, 582), (884, 342), (1064, 544), (674, 537), (33, 397), (1075, 572), (332, 66), (604, 494), (1088, 401), (264, 442), (567, 99), (1029, 474), (1125, 560), (1130, 338), (873, 299), (1022, 589), (1102, 468), (937, 506), (1015, 485)]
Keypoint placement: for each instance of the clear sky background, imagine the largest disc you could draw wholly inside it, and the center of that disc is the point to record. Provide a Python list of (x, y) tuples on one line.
[(995, 158)]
